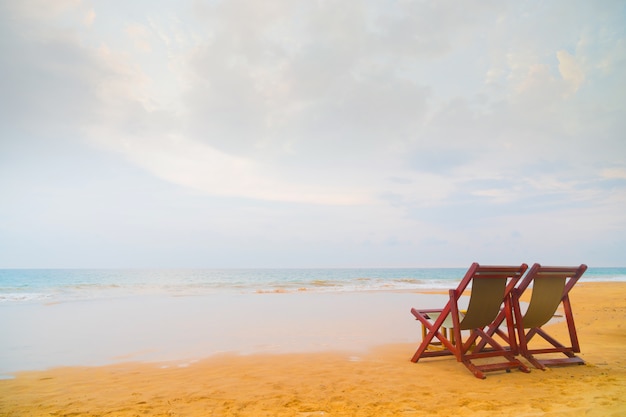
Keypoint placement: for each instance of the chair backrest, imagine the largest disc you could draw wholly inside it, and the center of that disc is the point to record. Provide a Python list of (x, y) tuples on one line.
[(550, 286), (490, 286)]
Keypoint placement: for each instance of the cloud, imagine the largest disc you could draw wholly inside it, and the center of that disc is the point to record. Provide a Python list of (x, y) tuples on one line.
[(51, 80), (570, 70), (614, 173), (303, 93), (43, 10), (195, 165), (90, 17), (325, 93), (139, 35)]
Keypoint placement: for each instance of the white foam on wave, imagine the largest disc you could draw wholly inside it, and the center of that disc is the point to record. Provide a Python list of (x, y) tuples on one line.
[(24, 297)]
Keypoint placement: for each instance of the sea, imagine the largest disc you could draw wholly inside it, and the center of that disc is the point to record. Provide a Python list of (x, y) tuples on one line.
[(61, 285)]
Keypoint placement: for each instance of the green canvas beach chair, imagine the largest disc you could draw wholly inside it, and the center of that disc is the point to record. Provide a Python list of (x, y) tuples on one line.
[(550, 289), (443, 328)]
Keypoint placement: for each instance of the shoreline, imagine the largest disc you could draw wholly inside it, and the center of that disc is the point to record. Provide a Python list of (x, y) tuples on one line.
[(379, 380)]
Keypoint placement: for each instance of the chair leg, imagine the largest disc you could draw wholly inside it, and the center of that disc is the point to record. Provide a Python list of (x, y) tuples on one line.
[(558, 348), (523, 368), (473, 369), (530, 358)]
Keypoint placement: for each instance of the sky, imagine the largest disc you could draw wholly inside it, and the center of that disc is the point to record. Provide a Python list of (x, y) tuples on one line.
[(289, 134)]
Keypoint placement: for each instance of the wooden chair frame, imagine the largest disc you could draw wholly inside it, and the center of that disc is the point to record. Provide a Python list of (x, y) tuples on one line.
[(491, 288), (551, 287)]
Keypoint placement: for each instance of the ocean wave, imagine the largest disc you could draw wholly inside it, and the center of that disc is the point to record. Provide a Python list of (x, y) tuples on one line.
[(24, 296), (410, 280), (324, 283), (18, 286)]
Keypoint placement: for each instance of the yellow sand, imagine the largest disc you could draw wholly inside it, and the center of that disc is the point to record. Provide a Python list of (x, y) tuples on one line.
[(381, 383)]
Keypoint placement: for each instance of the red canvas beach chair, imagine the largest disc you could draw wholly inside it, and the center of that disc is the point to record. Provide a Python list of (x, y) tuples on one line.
[(490, 293), (550, 288)]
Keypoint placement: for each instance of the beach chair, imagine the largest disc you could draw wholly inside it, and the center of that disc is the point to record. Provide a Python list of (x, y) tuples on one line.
[(490, 293), (550, 289)]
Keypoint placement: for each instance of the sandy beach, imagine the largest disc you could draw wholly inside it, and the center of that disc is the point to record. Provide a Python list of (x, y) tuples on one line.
[(347, 381)]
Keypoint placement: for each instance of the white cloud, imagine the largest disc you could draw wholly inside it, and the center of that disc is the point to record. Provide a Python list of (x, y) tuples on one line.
[(90, 17), (570, 70), (614, 173), (197, 166), (140, 36)]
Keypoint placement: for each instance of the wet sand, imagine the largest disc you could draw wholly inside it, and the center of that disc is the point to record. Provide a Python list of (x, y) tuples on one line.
[(351, 381)]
